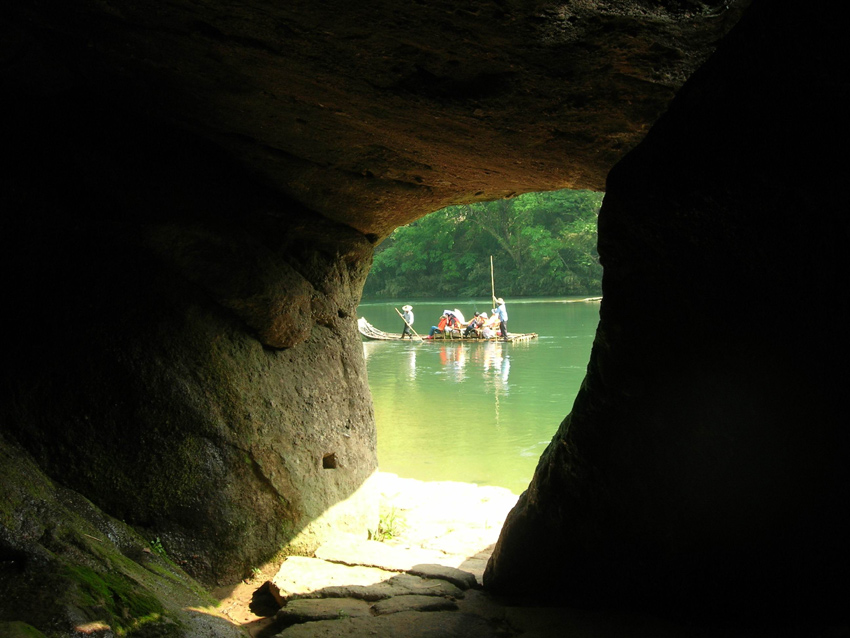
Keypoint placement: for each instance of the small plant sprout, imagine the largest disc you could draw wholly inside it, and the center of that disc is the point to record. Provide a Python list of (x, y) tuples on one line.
[(156, 546), (390, 525)]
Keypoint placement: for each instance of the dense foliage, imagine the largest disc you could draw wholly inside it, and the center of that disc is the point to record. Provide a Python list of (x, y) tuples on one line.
[(542, 244)]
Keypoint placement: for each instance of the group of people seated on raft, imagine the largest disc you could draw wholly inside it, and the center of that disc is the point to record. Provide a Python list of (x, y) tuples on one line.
[(452, 323)]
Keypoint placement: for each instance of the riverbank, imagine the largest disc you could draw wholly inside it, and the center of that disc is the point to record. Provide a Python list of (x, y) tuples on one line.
[(421, 580), (450, 524)]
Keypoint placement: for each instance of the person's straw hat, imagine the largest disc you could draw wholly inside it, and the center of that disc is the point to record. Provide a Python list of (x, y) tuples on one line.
[(500, 301), (407, 307)]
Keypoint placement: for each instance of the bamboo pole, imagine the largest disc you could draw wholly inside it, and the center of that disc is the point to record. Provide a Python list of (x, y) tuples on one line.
[(407, 324), (492, 281)]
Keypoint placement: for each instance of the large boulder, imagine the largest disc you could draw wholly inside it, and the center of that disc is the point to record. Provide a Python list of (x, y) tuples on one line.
[(185, 354)]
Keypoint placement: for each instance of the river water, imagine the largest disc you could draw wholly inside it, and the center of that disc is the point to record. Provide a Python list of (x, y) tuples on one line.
[(476, 412)]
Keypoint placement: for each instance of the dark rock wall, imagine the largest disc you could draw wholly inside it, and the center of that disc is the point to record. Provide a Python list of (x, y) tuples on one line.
[(184, 349), (704, 464)]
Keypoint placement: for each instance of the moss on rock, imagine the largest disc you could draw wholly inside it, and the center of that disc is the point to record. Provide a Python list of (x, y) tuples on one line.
[(65, 565), (19, 630)]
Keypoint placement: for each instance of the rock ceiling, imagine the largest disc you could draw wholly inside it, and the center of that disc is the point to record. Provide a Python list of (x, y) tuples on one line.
[(375, 113)]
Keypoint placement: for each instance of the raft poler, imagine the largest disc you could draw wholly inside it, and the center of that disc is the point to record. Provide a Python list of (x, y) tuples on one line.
[(408, 319), (502, 313)]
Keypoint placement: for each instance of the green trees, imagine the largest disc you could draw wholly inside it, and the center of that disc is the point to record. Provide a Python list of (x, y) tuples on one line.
[(542, 244)]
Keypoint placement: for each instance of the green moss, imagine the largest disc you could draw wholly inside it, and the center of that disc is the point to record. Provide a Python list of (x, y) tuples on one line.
[(177, 586), (22, 480), (19, 630), (115, 597), (159, 570), (85, 569)]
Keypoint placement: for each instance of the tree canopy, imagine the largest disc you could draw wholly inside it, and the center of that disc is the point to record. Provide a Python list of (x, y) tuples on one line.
[(543, 244)]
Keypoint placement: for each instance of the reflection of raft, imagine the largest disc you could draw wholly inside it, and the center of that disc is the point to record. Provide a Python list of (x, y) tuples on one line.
[(371, 332)]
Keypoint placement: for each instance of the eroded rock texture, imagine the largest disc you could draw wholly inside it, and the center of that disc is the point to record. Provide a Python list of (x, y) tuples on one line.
[(703, 465), (376, 113), (184, 351)]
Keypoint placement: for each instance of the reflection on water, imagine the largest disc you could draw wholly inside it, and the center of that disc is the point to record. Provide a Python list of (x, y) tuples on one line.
[(478, 412), (459, 361), (412, 364)]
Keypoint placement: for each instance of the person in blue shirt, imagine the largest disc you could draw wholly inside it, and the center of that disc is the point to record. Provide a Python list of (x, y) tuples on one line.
[(502, 312), (408, 321)]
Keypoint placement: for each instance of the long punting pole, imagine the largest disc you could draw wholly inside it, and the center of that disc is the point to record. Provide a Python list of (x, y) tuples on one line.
[(407, 324), (492, 280)]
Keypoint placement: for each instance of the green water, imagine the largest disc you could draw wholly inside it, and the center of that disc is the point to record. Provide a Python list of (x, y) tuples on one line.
[(476, 412)]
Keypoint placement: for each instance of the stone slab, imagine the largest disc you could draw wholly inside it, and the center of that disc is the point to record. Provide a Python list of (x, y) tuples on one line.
[(409, 624), (352, 550), (398, 585), (313, 609), (480, 603), (302, 577), (457, 577), (428, 563), (398, 604)]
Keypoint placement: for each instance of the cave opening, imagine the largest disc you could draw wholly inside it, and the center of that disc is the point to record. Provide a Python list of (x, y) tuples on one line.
[(488, 428)]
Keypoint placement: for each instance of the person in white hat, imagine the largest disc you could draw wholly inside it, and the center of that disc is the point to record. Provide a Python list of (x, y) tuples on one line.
[(502, 312), (408, 318)]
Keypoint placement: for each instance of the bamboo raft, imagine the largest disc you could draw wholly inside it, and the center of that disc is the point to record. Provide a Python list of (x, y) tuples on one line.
[(371, 332)]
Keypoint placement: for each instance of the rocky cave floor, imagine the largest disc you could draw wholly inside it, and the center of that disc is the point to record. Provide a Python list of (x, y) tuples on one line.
[(422, 579)]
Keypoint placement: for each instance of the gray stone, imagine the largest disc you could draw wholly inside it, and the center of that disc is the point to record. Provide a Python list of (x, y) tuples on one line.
[(409, 624), (480, 603), (351, 550), (413, 602), (312, 609), (397, 585), (428, 563), (301, 577), (457, 577)]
